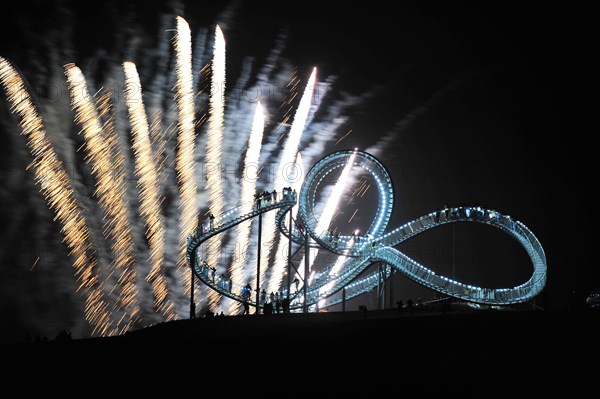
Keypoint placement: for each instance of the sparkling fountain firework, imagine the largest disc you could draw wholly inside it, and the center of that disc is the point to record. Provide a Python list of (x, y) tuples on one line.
[(281, 254), (249, 178), (184, 162), (288, 156), (110, 194), (214, 147), (146, 170), (329, 210), (109, 157), (56, 187)]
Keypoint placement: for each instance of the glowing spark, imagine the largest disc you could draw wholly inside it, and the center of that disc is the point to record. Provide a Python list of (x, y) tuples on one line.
[(248, 190), (354, 214), (294, 82), (365, 190), (287, 158), (54, 184), (281, 255), (184, 161), (35, 263), (110, 194), (343, 137), (146, 170), (214, 147)]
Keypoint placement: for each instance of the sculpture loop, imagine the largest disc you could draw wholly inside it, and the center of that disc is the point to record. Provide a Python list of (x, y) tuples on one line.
[(376, 245)]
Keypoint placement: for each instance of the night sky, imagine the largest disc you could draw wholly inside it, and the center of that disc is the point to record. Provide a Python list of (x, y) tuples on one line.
[(473, 99)]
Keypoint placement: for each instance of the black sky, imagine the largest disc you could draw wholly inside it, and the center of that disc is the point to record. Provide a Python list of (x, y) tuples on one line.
[(498, 135)]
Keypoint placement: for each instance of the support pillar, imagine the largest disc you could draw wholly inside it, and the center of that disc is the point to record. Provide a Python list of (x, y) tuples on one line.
[(306, 267), (391, 287), (192, 303), (380, 289), (289, 262), (258, 263)]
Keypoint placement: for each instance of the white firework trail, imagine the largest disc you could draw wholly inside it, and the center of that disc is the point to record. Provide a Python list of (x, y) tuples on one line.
[(146, 171), (330, 208), (184, 160), (56, 187), (342, 259), (214, 149), (249, 177), (286, 160), (281, 255), (110, 195), (338, 265), (334, 198)]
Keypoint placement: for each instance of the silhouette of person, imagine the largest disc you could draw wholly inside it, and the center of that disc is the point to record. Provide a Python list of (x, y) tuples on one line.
[(400, 305), (274, 196), (277, 304), (246, 307), (286, 305), (409, 306), (211, 221), (263, 297), (268, 308)]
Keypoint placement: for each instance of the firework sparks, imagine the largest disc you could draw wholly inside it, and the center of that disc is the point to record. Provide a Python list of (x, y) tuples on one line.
[(106, 113), (214, 147), (334, 198), (331, 206), (58, 192), (248, 189), (281, 255), (146, 171), (338, 265), (343, 137), (110, 194), (287, 158), (354, 214), (184, 161)]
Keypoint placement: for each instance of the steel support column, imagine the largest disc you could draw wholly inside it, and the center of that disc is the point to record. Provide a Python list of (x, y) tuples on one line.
[(258, 264), (289, 262), (306, 267)]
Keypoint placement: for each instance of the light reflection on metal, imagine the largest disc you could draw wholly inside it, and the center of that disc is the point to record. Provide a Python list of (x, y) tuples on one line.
[(376, 245)]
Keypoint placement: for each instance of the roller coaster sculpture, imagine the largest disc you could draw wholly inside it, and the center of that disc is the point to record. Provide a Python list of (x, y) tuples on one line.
[(376, 245)]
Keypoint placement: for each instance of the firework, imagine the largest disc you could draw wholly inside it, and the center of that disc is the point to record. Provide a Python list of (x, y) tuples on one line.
[(248, 189), (54, 184), (287, 158), (110, 195), (146, 172), (214, 147), (184, 161)]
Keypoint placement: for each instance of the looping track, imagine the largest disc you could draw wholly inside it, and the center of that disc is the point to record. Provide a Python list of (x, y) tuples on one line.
[(375, 246)]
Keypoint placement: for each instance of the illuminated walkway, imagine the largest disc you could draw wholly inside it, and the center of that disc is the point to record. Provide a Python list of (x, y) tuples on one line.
[(376, 245)]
